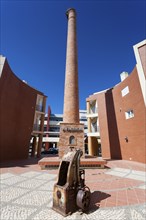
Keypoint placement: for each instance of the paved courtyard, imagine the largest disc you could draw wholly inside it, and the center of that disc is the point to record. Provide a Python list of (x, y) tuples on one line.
[(117, 192)]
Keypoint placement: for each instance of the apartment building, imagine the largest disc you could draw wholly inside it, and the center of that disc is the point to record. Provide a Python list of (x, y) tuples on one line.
[(117, 116)]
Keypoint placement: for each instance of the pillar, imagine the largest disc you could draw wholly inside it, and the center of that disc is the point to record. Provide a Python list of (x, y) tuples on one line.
[(40, 136), (33, 147)]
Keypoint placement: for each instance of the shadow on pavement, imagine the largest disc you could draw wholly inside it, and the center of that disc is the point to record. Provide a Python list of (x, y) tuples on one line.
[(19, 163), (96, 198), (25, 162)]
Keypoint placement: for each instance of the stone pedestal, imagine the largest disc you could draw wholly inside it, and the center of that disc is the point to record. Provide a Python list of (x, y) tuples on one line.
[(71, 135)]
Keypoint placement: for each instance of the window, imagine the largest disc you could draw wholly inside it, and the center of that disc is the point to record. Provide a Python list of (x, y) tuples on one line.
[(125, 91), (39, 103), (72, 140), (94, 126), (83, 119), (129, 114), (93, 107)]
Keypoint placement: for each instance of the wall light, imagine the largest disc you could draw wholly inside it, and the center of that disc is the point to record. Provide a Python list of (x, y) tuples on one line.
[(126, 138)]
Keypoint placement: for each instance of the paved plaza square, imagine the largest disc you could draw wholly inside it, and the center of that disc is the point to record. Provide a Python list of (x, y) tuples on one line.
[(117, 192)]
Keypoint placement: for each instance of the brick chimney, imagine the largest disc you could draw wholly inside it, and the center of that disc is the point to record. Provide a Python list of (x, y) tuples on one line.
[(71, 130), (71, 100)]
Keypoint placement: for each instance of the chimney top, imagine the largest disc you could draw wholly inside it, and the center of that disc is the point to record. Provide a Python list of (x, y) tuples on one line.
[(68, 10)]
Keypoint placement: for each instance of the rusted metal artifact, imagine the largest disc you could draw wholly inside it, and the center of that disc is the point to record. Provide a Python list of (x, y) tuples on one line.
[(70, 192)]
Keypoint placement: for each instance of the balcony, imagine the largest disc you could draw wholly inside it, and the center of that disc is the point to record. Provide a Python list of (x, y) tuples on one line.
[(36, 127), (95, 131), (93, 134), (92, 115), (50, 139), (39, 108)]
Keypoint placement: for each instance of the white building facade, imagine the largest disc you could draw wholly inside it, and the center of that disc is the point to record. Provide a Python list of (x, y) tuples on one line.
[(52, 128)]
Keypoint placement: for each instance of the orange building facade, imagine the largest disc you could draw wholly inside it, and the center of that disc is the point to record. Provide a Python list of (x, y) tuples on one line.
[(117, 116)]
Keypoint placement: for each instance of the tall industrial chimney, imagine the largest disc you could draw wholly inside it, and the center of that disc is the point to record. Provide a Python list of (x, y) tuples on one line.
[(71, 100), (71, 131)]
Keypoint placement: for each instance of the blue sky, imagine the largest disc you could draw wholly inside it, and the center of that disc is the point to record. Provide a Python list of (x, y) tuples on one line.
[(33, 38)]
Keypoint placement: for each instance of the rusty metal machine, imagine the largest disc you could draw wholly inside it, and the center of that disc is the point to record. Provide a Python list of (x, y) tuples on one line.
[(70, 192)]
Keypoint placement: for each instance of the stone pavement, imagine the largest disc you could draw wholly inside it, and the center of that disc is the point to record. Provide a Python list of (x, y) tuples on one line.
[(118, 192)]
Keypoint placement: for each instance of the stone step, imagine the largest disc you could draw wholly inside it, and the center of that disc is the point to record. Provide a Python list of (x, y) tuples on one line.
[(89, 162)]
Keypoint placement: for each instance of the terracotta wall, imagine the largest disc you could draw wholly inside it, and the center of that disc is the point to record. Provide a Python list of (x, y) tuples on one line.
[(133, 128), (17, 108), (103, 124), (108, 126), (114, 126)]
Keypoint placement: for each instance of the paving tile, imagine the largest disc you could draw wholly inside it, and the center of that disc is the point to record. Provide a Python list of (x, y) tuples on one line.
[(120, 203), (136, 177), (31, 183), (13, 180), (11, 193), (35, 198), (112, 214), (117, 173), (136, 215), (47, 186), (142, 187), (6, 175), (139, 173), (30, 174), (2, 186), (48, 214), (47, 176), (11, 212)]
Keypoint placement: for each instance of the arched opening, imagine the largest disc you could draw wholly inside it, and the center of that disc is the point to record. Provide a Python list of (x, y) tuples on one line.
[(72, 140)]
